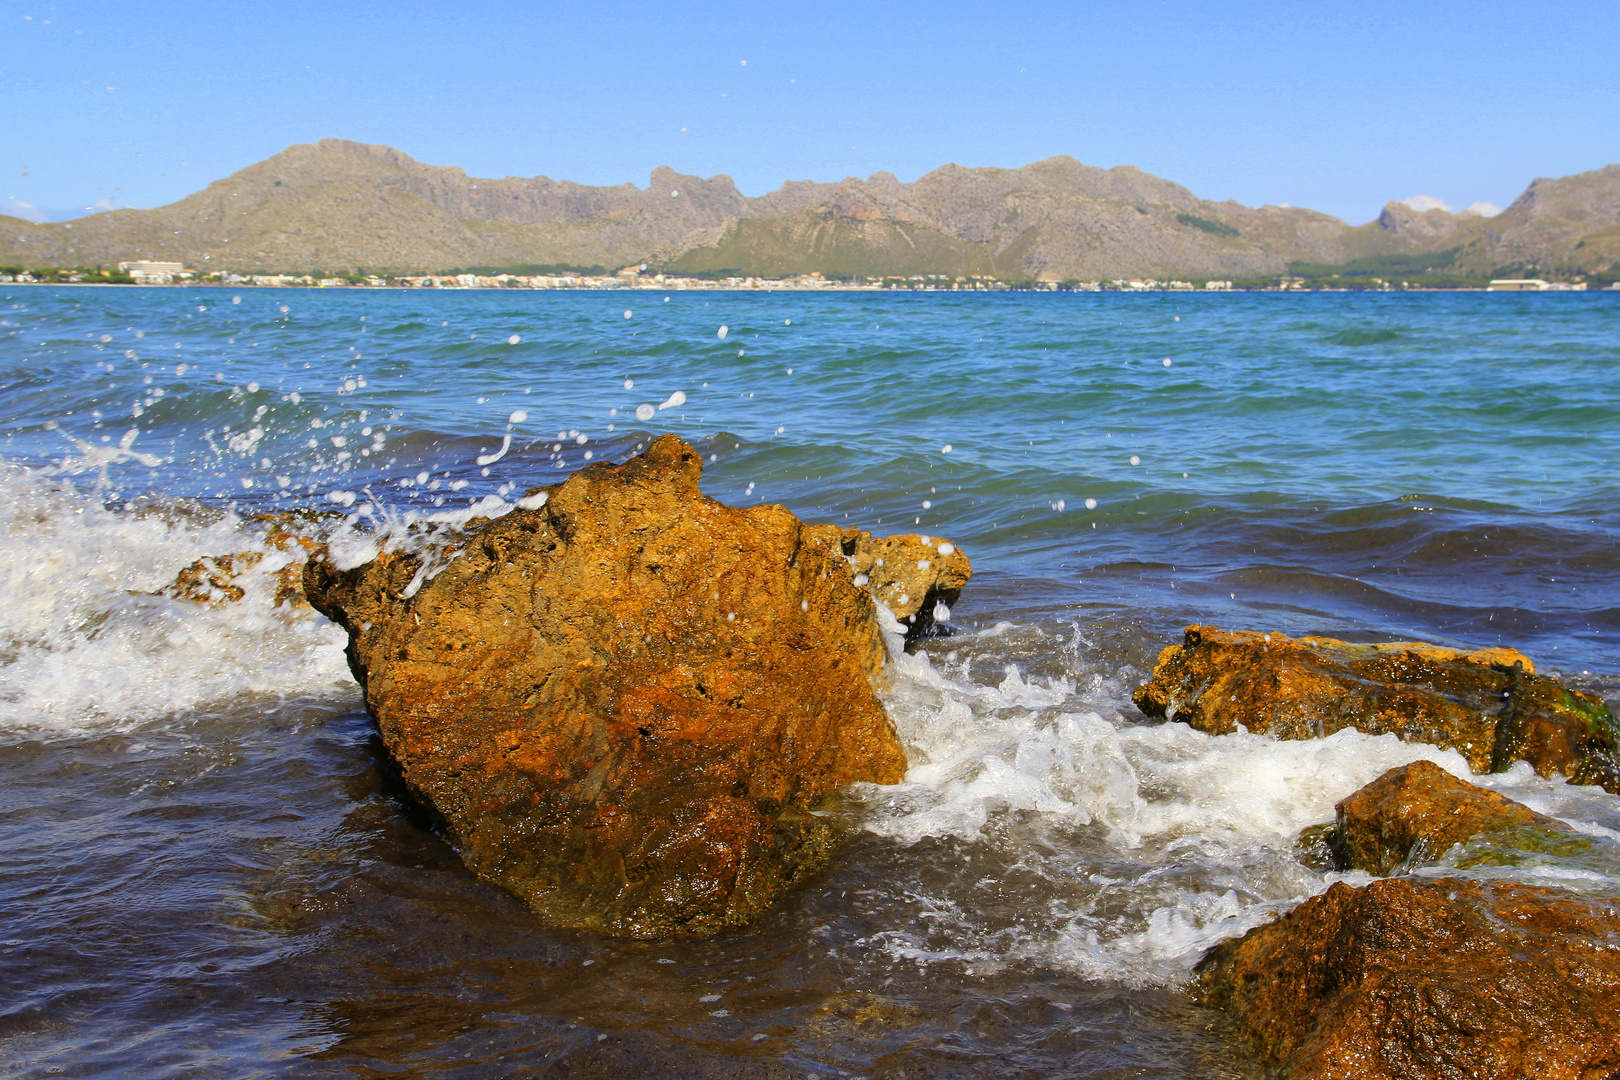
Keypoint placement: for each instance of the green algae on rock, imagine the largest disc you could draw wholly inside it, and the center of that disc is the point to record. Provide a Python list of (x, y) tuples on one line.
[(1489, 705), (1433, 978), (1416, 813)]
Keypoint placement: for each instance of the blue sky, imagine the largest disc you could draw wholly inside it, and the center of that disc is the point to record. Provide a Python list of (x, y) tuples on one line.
[(1337, 107)]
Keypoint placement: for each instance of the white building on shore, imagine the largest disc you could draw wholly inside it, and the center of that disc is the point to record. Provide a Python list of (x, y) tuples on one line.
[(1534, 285), (154, 273)]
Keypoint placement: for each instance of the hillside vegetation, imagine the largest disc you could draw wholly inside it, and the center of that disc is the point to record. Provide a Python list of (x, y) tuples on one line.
[(345, 207)]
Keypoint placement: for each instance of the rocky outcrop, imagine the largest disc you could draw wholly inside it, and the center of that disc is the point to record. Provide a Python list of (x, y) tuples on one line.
[(1433, 978), (917, 578), (1417, 812), (1408, 222), (1489, 705), (625, 700)]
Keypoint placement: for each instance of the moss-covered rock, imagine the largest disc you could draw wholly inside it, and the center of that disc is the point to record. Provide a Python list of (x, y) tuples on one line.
[(1489, 705)]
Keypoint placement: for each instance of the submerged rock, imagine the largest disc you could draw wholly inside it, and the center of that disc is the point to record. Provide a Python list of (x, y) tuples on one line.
[(294, 534), (1417, 812), (1489, 705), (626, 700), (1432, 978)]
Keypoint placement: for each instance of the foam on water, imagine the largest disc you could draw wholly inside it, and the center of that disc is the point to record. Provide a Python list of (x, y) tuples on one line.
[(1044, 830), (88, 643), (1132, 847)]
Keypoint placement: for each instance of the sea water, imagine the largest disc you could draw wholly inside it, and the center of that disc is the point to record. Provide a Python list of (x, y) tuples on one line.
[(206, 868)]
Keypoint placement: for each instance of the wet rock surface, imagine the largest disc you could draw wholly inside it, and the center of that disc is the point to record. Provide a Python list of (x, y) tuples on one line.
[(1489, 705), (625, 702), (289, 538), (1432, 978), (1417, 812), (916, 577)]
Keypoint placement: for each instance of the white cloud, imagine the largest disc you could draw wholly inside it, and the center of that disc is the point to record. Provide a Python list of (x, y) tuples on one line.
[(1421, 203), (26, 211), (1484, 209)]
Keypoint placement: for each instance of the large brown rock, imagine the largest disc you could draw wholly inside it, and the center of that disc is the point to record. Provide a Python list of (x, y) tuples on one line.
[(1419, 811), (1489, 705), (626, 703), (1434, 978)]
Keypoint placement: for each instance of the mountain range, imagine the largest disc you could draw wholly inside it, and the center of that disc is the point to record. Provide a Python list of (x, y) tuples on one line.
[(345, 207)]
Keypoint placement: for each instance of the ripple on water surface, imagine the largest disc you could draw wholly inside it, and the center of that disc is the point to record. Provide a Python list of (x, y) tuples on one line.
[(206, 864)]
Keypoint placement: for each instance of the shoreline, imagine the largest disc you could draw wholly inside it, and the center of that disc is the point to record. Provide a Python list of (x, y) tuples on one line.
[(774, 286)]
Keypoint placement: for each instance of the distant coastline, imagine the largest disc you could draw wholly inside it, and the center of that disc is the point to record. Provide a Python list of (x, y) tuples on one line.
[(663, 283), (344, 210)]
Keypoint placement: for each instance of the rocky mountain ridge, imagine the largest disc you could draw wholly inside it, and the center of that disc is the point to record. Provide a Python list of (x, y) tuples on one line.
[(342, 206)]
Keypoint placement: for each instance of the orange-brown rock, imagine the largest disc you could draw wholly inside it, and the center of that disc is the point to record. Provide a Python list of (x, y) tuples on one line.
[(625, 704), (1489, 705), (1417, 812), (216, 579), (1432, 978), (917, 578)]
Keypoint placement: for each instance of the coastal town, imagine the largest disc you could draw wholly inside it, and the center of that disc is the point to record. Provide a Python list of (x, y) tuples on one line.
[(143, 272)]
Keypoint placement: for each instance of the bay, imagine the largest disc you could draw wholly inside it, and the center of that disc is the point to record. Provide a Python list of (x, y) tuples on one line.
[(206, 869)]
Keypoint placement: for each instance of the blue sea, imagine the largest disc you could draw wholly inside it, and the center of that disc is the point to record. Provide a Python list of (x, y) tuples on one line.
[(206, 868)]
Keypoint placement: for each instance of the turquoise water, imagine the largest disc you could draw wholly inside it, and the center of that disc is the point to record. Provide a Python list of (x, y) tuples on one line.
[(248, 894), (1430, 464)]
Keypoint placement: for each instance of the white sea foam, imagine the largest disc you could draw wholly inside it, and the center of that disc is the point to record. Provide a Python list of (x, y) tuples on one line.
[(86, 643), (1149, 842), (490, 459)]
